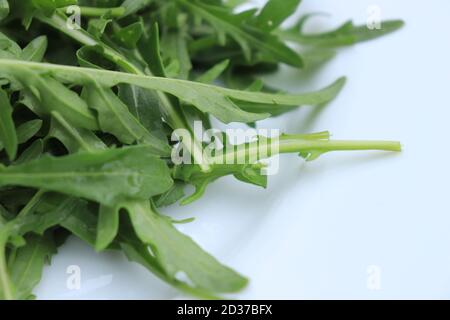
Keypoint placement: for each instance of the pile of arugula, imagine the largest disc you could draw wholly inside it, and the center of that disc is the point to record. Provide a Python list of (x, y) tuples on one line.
[(87, 111)]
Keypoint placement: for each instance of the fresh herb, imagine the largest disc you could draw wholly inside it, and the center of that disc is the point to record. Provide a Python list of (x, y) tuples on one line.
[(88, 112)]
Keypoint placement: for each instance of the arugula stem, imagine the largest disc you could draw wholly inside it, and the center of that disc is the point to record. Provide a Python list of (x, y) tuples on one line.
[(175, 119), (31, 204), (309, 145), (98, 12), (5, 281), (296, 145)]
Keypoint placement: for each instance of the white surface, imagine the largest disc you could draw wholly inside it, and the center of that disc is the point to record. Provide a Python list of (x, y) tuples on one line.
[(319, 227)]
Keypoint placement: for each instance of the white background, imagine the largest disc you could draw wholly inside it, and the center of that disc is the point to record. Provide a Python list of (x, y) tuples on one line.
[(319, 226)]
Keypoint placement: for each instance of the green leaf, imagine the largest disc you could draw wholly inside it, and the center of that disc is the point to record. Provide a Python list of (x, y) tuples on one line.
[(150, 49), (313, 99), (22, 225), (52, 4), (175, 48), (133, 6), (214, 73), (345, 35), (177, 253), (107, 176), (54, 96), (4, 9), (96, 27), (173, 195), (7, 290), (145, 107), (31, 153), (249, 173), (35, 50), (209, 99), (248, 37), (29, 262), (140, 253), (107, 228), (28, 130), (8, 48), (92, 57), (74, 139), (274, 13), (115, 118), (8, 135), (129, 36), (83, 224)]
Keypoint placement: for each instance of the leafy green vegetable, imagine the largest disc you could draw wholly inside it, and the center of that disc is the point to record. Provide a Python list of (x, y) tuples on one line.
[(248, 38), (274, 13), (4, 9), (106, 176), (108, 226), (181, 253), (345, 35), (28, 130), (209, 99), (8, 134), (29, 262), (87, 129)]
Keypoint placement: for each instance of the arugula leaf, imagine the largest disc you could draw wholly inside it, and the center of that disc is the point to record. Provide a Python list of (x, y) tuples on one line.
[(84, 145), (107, 176), (274, 13), (54, 96), (175, 47), (37, 223), (4, 9), (107, 228), (133, 6), (214, 73), (74, 139), (249, 173), (52, 4), (345, 35), (35, 50), (209, 99), (145, 106), (29, 261), (34, 151), (8, 134), (130, 35), (173, 195), (28, 130), (176, 252), (7, 291), (248, 38), (150, 49), (115, 118), (9, 48), (83, 224)]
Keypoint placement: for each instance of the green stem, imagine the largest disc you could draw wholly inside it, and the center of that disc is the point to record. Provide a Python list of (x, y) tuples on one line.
[(313, 145), (98, 12), (177, 121), (31, 204), (5, 281), (296, 145)]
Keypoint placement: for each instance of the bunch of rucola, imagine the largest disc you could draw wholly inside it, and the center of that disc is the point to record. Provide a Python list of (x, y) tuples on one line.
[(91, 91)]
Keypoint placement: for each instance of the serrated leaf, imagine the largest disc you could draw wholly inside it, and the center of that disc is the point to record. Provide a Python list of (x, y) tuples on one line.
[(248, 38), (214, 100)]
